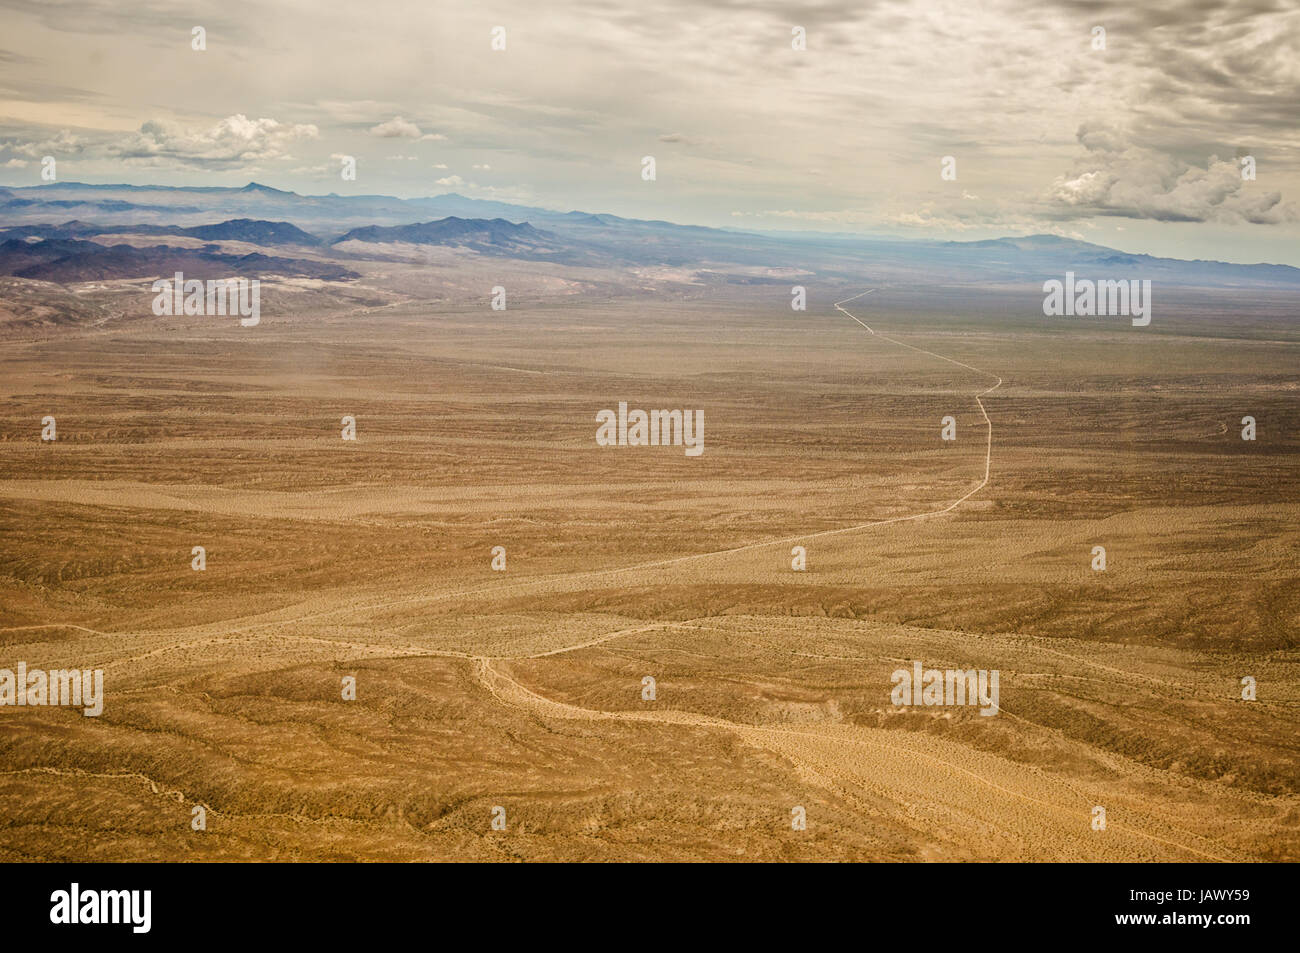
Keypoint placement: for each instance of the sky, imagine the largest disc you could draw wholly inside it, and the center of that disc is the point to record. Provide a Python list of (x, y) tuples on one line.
[(1132, 138)]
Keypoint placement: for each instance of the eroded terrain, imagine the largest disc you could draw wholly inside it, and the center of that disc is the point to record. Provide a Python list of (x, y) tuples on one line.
[(522, 688)]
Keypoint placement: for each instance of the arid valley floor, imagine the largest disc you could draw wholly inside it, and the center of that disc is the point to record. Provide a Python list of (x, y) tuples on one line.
[(522, 689)]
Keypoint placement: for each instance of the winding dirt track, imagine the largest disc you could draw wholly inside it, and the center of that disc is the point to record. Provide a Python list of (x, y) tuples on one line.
[(940, 789)]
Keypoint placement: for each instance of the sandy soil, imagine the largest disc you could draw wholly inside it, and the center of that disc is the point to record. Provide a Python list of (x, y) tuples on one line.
[(522, 688)]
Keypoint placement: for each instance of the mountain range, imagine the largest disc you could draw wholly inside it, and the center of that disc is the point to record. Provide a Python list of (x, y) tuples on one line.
[(78, 224)]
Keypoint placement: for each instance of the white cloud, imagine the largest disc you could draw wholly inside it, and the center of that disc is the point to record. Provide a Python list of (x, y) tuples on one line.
[(399, 128), (233, 142), (1120, 176), (396, 128), (63, 143)]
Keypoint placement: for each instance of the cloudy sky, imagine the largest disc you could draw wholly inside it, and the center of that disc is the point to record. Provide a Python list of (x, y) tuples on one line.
[(1137, 145)]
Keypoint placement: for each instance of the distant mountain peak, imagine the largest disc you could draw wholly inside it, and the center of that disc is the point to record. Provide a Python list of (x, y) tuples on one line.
[(496, 236), (254, 231), (259, 187)]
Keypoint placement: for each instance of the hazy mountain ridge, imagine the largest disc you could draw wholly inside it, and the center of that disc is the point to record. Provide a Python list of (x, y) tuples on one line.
[(250, 231), (487, 236), (72, 260), (372, 226)]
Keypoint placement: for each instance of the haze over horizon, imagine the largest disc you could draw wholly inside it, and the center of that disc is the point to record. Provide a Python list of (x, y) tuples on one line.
[(521, 214), (1135, 146)]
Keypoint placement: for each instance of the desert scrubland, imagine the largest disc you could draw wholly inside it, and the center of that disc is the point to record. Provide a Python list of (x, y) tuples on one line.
[(522, 688)]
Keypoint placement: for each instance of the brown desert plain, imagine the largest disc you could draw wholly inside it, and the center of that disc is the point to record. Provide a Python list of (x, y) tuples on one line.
[(522, 689)]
